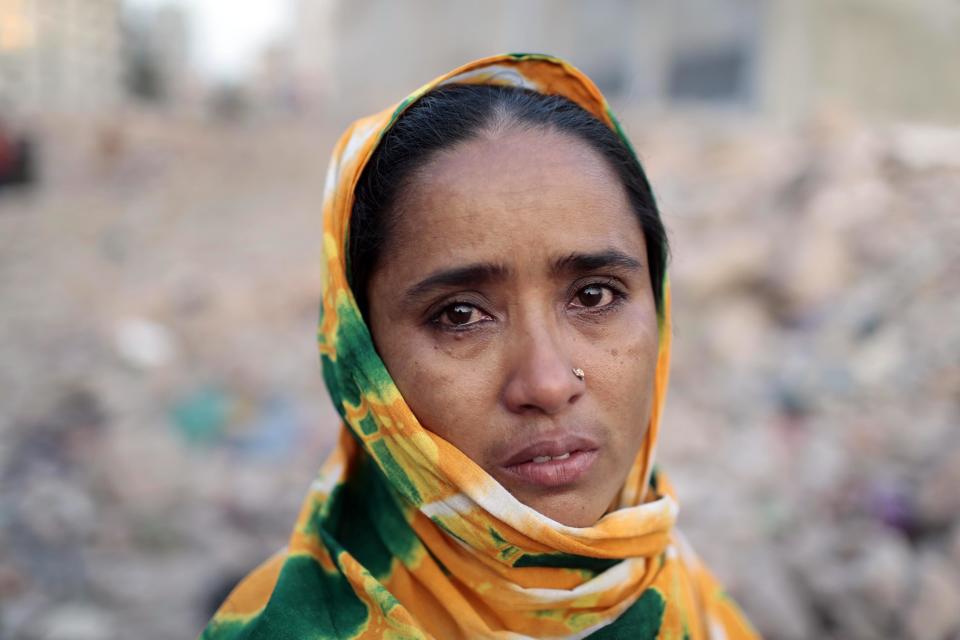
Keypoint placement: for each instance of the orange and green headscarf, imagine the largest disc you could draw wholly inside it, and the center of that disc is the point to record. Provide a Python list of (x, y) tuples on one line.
[(402, 536)]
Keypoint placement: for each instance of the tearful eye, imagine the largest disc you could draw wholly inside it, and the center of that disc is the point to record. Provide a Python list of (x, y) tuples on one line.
[(594, 295), (459, 315)]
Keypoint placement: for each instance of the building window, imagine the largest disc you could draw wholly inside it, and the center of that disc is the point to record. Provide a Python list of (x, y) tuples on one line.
[(710, 75)]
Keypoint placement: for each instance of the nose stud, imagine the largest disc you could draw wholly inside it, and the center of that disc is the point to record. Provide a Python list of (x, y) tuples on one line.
[(579, 373)]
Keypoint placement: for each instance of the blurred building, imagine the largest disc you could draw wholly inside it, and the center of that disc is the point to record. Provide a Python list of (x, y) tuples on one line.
[(779, 57), (59, 55), (158, 67), (274, 87), (884, 58), (312, 55)]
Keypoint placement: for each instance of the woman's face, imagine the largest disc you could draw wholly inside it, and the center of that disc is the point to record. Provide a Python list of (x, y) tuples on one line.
[(516, 259)]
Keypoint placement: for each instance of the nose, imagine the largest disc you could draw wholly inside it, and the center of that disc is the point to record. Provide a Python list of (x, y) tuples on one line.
[(541, 378)]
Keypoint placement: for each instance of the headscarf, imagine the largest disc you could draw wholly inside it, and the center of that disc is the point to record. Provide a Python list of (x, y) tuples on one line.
[(403, 536)]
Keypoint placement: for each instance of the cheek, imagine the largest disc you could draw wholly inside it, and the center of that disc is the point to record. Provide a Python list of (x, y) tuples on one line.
[(448, 392), (439, 379), (622, 371)]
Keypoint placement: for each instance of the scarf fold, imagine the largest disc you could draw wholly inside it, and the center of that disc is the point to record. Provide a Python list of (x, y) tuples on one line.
[(403, 536)]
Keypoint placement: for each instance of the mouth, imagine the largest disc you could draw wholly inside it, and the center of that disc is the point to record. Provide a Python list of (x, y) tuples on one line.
[(553, 462)]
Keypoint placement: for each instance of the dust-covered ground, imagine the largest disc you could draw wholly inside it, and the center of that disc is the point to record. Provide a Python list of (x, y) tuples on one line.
[(162, 411)]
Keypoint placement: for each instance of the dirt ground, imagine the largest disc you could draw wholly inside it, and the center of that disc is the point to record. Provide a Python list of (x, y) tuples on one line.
[(162, 411)]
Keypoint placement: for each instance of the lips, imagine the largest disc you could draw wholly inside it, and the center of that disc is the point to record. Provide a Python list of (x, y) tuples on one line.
[(553, 461), (553, 446)]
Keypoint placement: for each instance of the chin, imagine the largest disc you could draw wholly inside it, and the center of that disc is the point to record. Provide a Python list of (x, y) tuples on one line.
[(570, 510)]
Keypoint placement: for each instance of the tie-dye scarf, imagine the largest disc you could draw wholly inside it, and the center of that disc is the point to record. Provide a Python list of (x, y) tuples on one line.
[(403, 536)]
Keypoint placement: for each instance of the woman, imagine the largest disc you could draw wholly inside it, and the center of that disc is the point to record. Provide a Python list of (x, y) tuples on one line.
[(495, 334)]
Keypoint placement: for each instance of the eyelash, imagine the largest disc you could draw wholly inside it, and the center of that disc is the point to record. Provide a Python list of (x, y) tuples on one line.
[(619, 295)]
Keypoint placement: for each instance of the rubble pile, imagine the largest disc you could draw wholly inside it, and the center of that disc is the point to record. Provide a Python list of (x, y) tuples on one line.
[(162, 412), (812, 426)]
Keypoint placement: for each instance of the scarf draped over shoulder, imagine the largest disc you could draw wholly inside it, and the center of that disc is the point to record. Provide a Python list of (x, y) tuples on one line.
[(402, 536)]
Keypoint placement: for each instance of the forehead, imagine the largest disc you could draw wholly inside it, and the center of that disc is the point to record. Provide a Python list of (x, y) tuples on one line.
[(494, 196)]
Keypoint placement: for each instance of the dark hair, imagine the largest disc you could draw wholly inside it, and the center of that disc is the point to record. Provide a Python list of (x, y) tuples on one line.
[(456, 113)]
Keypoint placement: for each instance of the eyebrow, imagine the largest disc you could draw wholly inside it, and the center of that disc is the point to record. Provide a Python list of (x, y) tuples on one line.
[(607, 259), (474, 275)]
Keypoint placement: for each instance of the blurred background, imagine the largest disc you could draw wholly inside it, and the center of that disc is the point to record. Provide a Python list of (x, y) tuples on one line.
[(161, 172)]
